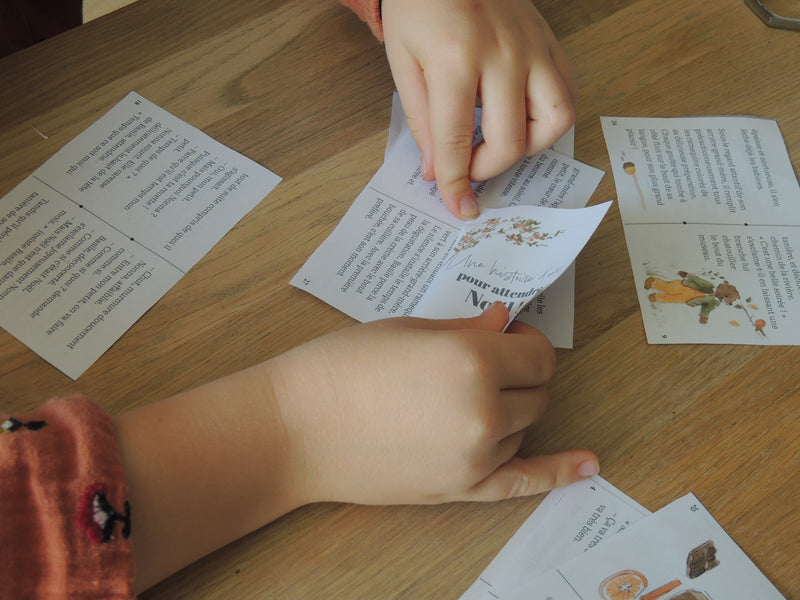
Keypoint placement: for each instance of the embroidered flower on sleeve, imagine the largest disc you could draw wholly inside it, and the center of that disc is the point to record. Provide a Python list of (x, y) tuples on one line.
[(12, 425), (96, 516)]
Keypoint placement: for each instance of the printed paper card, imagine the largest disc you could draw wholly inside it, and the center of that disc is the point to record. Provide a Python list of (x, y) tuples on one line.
[(508, 255), (711, 211), (569, 521), (96, 235), (383, 256), (677, 553)]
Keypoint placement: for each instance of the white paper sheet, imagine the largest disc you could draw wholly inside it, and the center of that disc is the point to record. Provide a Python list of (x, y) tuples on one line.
[(711, 210), (98, 233)]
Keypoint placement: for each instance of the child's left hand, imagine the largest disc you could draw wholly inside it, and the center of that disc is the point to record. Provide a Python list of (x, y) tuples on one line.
[(446, 53)]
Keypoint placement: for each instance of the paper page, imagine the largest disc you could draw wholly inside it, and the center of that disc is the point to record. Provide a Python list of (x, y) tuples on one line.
[(553, 311), (507, 255), (96, 235), (711, 209), (677, 553), (383, 256), (569, 521)]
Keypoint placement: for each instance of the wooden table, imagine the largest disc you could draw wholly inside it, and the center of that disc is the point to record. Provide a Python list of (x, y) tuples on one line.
[(301, 87)]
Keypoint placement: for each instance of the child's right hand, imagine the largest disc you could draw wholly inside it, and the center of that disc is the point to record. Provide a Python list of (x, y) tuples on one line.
[(420, 411), (391, 412)]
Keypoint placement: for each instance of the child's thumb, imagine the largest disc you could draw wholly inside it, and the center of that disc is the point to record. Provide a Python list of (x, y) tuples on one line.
[(535, 475), (493, 318)]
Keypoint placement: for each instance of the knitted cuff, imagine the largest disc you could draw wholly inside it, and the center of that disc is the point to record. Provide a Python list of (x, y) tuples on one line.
[(370, 12), (65, 522)]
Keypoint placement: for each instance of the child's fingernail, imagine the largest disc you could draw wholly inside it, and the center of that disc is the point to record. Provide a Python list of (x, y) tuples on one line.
[(468, 207), (588, 469), (425, 168)]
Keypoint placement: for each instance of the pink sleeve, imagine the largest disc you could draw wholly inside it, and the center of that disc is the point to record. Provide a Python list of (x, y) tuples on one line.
[(65, 521), (370, 12)]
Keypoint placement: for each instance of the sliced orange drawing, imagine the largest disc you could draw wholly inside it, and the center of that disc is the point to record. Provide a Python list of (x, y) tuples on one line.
[(625, 585)]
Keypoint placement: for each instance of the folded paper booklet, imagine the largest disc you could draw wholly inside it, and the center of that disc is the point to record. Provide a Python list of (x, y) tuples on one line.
[(398, 251), (711, 212), (103, 229), (589, 540)]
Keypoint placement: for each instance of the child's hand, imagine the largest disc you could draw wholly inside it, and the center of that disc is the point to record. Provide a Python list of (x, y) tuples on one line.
[(391, 412), (446, 53), (418, 411)]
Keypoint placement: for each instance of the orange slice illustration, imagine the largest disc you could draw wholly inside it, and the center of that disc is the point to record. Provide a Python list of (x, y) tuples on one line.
[(625, 585)]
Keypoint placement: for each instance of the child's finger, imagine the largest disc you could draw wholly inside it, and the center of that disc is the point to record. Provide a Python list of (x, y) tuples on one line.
[(535, 475)]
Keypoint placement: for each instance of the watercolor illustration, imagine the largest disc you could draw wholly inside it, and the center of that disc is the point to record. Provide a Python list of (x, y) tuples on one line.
[(706, 291), (624, 585), (633, 585), (701, 559), (691, 595), (518, 231), (630, 168)]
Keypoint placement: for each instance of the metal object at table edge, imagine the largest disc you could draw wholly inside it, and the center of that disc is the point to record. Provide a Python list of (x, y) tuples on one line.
[(770, 18)]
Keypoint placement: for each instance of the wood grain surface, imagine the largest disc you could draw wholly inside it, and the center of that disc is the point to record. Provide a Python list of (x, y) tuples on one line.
[(303, 88)]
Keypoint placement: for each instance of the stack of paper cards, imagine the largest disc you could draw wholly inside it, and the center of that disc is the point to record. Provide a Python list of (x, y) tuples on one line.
[(398, 251), (589, 540)]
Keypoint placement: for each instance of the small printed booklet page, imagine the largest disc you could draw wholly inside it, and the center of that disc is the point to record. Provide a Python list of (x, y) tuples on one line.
[(711, 212), (104, 228), (398, 251)]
